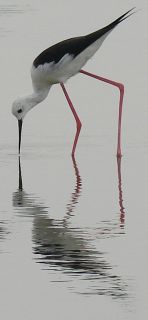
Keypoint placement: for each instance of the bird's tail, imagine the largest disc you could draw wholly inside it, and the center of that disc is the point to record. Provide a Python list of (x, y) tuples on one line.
[(104, 31), (118, 20)]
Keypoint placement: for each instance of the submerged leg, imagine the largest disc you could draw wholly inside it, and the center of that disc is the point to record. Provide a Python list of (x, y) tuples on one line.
[(78, 122), (120, 86)]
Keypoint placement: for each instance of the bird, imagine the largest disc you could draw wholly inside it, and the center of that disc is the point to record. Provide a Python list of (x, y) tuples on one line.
[(58, 63)]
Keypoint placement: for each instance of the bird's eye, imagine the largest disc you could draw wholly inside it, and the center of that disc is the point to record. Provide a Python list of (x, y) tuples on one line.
[(19, 110)]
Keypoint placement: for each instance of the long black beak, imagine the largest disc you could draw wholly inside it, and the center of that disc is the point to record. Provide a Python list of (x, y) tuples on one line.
[(20, 122)]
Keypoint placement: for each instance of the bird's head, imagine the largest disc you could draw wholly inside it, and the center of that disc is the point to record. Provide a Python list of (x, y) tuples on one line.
[(20, 108)]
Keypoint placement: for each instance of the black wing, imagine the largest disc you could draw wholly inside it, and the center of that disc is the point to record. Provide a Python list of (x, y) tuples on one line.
[(75, 46)]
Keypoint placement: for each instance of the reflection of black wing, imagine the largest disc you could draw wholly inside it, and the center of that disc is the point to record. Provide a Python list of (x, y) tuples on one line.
[(69, 250), (3, 231), (61, 248)]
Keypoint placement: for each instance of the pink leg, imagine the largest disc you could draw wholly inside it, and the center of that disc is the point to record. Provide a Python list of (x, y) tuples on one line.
[(121, 88), (78, 122)]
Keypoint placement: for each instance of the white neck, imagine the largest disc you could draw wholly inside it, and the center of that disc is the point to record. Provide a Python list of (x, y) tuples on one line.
[(36, 97)]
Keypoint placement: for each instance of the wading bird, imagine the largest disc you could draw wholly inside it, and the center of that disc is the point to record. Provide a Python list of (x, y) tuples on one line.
[(59, 63)]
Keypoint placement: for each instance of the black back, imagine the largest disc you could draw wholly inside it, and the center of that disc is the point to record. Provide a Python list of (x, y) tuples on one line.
[(74, 46)]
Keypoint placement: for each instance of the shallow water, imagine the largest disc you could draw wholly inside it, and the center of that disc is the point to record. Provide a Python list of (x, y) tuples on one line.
[(73, 231)]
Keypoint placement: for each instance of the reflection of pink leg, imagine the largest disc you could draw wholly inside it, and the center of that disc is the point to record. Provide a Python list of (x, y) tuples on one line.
[(122, 209), (76, 193), (78, 122), (121, 88)]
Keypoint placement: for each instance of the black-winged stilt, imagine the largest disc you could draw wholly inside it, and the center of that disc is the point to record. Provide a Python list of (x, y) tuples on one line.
[(59, 63)]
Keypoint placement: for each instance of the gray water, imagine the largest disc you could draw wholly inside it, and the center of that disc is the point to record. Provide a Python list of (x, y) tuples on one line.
[(73, 232)]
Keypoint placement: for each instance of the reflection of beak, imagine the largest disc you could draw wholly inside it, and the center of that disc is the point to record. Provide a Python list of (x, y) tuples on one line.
[(20, 122), (20, 177)]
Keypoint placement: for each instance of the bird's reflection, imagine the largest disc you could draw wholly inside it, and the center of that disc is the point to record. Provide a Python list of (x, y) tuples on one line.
[(61, 248)]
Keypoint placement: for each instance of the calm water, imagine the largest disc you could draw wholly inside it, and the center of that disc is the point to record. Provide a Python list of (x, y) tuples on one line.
[(73, 232)]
